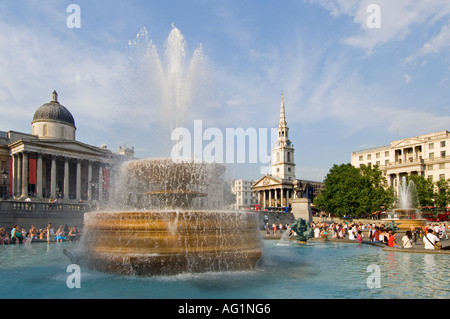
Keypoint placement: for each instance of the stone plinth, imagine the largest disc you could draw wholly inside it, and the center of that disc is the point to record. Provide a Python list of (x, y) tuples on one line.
[(301, 208)]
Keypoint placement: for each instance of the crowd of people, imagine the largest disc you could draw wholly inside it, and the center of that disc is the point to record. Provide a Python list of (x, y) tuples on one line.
[(19, 235), (430, 235), (275, 228)]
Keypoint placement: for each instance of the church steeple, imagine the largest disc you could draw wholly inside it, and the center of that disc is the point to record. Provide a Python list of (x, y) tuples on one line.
[(283, 153), (282, 113)]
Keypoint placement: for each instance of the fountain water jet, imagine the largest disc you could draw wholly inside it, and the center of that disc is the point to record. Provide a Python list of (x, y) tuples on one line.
[(155, 224), (407, 213)]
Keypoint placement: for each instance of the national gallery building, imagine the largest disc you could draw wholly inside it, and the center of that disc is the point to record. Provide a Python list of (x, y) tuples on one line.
[(51, 163)]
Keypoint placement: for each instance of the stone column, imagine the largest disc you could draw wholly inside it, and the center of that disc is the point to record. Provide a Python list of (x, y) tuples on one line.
[(14, 173), (25, 174), (66, 179), (39, 177), (78, 181), (270, 198), (100, 183), (264, 202), (53, 178), (287, 197), (281, 197), (276, 197), (19, 175), (89, 186)]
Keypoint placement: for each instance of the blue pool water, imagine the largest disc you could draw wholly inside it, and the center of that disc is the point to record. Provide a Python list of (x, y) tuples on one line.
[(286, 271)]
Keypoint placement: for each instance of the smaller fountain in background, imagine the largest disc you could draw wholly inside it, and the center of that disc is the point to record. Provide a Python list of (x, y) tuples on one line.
[(407, 214)]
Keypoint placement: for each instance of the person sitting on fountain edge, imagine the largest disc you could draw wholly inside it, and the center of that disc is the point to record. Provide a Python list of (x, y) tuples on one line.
[(430, 239)]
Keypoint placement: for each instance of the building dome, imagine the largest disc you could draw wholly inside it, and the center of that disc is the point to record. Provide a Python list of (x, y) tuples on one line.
[(53, 121), (53, 111)]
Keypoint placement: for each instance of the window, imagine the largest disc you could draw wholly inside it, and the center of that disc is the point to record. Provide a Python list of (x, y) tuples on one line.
[(386, 162), (45, 130), (386, 154), (430, 178), (377, 155), (442, 177), (369, 157), (431, 146), (378, 163), (430, 167), (361, 158), (431, 155), (443, 154), (443, 144), (289, 156), (442, 166)]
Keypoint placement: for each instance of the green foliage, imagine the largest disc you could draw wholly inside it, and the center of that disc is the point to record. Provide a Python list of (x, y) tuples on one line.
[(425, 189), (442, 194), (354, 191)]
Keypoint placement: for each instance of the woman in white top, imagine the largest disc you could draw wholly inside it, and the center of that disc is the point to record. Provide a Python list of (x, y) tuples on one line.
[(407, 240)]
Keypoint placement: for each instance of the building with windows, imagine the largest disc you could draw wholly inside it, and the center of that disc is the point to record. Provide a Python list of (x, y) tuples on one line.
[(426, 155), (51, 163), (242, 189), (281, 187)]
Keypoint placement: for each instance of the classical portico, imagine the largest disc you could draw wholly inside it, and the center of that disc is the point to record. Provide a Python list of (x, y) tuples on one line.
[(43, 172), (274, 192), (51, 163)]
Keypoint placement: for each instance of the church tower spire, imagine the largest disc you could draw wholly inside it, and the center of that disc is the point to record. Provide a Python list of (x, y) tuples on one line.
[(282, 112), (283, 164)]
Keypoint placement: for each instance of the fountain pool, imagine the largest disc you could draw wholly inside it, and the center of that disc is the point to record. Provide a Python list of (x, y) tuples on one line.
[(285, 271)]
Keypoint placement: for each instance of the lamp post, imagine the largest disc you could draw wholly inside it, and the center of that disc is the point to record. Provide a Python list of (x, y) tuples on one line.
[(5, 177)]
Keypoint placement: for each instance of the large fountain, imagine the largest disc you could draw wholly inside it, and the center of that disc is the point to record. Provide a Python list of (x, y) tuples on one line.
[(407, 213), (170, 238), (164, 218)]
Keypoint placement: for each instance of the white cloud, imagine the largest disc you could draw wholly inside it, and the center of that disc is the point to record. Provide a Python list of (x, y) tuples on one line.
[(397, 20), (85, 80), (438, 43), (407, 78)]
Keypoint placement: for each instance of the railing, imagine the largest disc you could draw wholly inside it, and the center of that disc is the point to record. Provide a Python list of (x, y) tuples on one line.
[(12, 205)]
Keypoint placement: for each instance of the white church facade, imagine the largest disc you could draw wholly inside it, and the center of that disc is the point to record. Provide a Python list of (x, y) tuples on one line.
[(279, 189)]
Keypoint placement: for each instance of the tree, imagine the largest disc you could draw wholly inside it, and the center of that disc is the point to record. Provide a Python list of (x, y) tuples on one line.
[(425, 189), (442, 193), (353, 191)]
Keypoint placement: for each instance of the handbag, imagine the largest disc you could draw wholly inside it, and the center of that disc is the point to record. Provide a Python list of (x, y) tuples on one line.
[(437, 246)]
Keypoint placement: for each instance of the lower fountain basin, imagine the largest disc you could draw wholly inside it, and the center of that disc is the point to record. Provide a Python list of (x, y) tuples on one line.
[(166, 243), (406, 218)]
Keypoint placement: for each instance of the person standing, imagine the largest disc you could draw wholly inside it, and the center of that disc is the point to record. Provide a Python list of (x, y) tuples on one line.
[(443, 232), (50, 233)]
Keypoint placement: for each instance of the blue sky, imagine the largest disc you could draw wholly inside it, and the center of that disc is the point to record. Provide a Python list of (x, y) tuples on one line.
[(346, 86)]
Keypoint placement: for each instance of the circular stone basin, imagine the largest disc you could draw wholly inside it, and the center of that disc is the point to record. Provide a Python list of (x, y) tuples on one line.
[(167, 243), (406, 224)]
